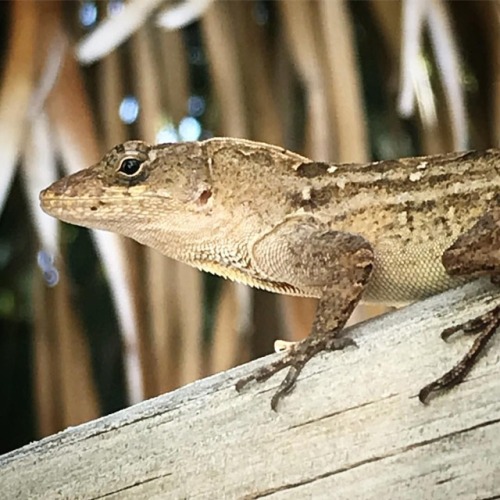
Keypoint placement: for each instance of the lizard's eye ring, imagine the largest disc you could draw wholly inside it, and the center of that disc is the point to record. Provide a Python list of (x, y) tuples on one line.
[(130, 166)]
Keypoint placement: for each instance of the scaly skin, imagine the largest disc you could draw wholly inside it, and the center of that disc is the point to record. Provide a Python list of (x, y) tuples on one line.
[(273, 219)]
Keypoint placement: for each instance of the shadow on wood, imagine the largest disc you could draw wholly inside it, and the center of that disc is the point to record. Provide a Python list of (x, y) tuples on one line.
[(353, 428)]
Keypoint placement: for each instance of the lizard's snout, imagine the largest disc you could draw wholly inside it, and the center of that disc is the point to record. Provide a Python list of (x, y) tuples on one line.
[(59, 192), (57, 188), (49, 196), (73, 197), (72, 186)]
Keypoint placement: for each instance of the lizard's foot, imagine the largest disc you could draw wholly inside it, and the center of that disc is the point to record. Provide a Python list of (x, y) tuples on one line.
[(484, 327), (296, 357)]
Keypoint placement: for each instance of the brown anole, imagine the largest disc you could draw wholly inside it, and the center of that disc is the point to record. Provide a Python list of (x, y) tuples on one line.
[(390, 231)]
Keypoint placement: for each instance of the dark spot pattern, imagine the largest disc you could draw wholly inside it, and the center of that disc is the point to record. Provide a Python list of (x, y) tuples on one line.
[(311, 170), (317, 198)]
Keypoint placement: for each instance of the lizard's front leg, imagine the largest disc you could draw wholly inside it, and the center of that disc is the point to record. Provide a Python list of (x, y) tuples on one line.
[(332, 265), (474, 253)]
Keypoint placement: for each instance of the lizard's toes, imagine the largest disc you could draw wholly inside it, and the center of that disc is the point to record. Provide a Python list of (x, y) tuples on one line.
[(337, 344), (484, 327), (265, 372)]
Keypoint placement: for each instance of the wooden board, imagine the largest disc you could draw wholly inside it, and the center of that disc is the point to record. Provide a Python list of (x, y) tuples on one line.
[(353, 428)]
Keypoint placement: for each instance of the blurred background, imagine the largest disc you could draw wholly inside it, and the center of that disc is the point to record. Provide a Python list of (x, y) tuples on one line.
[(91, 322)]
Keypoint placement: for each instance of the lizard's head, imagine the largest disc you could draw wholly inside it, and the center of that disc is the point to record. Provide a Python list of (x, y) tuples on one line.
[(136, 189)]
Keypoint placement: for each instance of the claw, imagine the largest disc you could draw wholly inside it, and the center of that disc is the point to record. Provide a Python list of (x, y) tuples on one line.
[(242, 382), (472, 327), (338, 344), (286, 387)]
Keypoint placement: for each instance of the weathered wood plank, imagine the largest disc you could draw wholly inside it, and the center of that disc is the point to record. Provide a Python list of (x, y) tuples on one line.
[(354, 427)]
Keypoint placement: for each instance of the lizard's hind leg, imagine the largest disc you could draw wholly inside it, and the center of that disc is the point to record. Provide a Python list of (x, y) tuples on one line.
[(475, 253)]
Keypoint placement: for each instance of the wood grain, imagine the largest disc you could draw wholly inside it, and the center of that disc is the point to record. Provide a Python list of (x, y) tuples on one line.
[(353, 428)]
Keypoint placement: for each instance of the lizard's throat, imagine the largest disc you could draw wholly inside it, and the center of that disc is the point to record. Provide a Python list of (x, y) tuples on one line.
[(187, 243)]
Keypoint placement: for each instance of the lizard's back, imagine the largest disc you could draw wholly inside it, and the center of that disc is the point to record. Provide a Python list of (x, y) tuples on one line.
[(411, 210)]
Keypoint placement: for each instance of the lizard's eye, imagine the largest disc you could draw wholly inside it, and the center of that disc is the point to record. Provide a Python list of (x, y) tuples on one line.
[(130, 167)]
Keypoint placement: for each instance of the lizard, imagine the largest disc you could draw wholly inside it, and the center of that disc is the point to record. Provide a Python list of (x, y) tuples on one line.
[(392, 231)]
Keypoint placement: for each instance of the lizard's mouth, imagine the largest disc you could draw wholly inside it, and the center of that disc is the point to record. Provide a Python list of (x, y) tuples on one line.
[(88, 212), (92, 205)]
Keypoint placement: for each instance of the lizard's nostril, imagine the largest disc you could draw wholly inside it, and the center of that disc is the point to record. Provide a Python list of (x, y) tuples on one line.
[(59, 187)]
